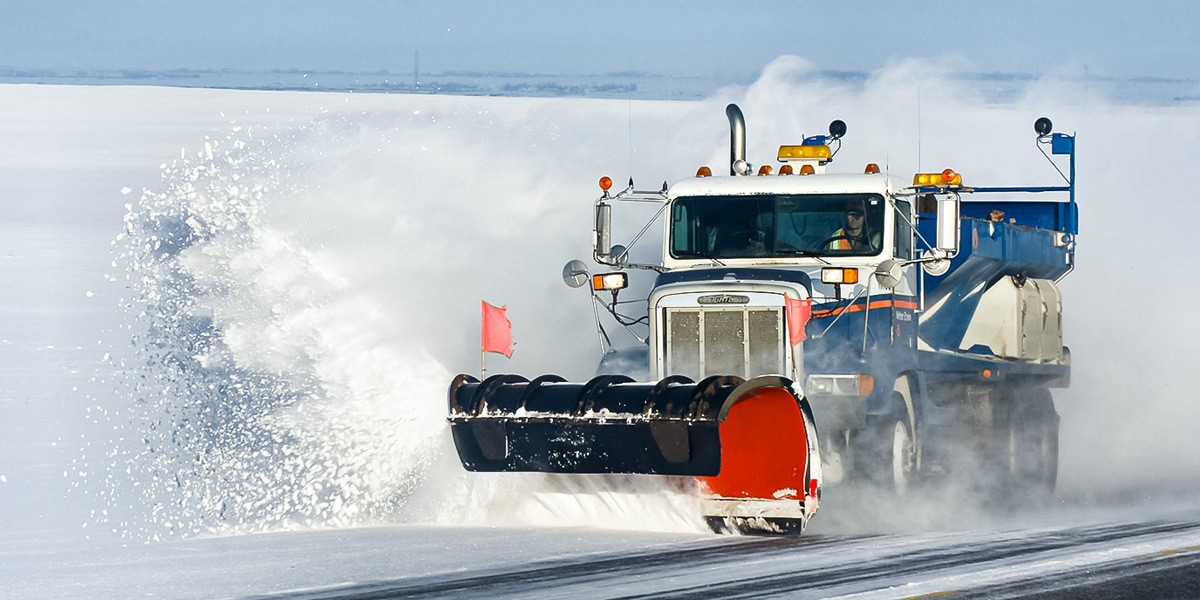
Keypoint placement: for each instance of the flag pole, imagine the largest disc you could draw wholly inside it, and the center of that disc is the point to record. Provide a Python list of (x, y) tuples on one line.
[(482, 344)]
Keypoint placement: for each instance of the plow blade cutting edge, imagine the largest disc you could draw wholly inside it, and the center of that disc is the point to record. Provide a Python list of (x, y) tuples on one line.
[(610, 424)]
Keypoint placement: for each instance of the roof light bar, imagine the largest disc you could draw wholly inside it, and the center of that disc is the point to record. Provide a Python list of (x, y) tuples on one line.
[(947, 177), (806, 151)]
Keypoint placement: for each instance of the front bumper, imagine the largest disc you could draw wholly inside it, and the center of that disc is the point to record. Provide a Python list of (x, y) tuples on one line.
[(838, 413)]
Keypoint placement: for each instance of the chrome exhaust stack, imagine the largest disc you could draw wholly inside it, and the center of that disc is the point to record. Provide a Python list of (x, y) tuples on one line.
[(737, 141)]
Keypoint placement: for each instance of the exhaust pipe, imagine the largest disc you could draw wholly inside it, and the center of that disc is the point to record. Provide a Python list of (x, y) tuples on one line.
[(737, 137)]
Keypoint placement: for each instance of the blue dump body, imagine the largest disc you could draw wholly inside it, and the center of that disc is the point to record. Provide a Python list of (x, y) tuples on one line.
[(1032, 247)]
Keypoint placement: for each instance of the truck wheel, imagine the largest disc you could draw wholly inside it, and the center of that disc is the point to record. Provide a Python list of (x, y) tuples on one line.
[(903, 455), (1028, 444), (891, 458)]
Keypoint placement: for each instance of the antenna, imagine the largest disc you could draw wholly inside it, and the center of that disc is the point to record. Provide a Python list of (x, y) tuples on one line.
[(631, 138), (918, 129), (629, 76)]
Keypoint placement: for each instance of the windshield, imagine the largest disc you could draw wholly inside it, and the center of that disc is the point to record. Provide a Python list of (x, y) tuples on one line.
[(777, 226)]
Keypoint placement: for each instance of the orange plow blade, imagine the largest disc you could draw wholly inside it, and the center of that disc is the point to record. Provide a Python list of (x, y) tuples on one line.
[(770, 473)]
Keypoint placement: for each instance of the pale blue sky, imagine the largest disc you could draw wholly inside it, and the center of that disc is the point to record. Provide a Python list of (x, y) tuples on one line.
[(1127, 38)]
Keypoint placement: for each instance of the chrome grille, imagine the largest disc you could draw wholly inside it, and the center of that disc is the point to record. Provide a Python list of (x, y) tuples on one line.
[(744, 341)]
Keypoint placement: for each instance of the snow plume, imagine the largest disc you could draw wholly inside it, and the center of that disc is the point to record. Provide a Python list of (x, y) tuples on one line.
[(271, 395), (297, 296)]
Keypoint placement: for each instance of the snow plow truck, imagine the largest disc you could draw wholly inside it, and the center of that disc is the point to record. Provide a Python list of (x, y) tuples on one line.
[(916, 323)]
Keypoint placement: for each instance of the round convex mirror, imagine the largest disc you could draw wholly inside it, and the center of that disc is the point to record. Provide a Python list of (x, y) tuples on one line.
[(575, 273), (619, 255)]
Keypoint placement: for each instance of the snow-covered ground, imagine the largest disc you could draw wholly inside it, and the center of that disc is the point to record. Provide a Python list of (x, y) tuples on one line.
[(233, 313)]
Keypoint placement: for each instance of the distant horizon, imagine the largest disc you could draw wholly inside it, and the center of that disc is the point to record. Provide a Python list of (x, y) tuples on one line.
[(11, 70), (642, 85)]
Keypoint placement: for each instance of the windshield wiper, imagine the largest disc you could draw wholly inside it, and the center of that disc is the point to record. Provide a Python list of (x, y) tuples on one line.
[(805, 253)]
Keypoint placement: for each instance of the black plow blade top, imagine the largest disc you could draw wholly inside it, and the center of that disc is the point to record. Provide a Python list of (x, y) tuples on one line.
[(610, 424)]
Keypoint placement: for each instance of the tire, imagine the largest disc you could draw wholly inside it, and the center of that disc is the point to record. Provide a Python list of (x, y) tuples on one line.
[(890, 452), (901, 456), (633, 361), (1027, 444)]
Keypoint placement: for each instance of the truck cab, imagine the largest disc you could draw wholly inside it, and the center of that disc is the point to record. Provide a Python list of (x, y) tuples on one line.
[(740, 252)]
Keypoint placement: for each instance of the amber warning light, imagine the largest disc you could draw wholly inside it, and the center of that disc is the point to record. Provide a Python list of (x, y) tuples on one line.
[(946, 177), (609, 281), (839, 275)]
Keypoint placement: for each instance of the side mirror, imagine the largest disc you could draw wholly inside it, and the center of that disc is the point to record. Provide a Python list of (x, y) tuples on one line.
[(949, 221), (603, 233), (619, 255), (935, 262), (889, 273), (575, 274)]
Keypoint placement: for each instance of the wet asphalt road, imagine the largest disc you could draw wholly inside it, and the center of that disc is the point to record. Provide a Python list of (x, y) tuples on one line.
[(1141, 560)]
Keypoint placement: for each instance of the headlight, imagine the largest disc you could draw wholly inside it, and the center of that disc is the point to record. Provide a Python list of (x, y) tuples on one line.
[(839, 275), (609, 281), (839, 385)]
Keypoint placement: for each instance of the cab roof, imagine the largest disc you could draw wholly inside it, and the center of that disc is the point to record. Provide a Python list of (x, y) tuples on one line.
[(749, 185)]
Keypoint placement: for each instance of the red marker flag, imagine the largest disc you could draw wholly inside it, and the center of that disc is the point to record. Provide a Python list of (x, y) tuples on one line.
[(497, 330), (798, 313)]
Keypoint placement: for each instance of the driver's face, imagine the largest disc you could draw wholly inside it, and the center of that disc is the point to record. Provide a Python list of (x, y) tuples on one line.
[(854, 220)]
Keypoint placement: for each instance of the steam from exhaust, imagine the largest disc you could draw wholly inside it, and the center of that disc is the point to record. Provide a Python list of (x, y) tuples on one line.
[(303, 296)]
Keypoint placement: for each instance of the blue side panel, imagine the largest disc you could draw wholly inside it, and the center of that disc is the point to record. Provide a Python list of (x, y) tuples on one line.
[(840, 331), (987, 252)]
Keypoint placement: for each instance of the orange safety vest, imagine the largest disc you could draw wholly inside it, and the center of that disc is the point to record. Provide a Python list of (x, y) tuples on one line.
[(842, 244)]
